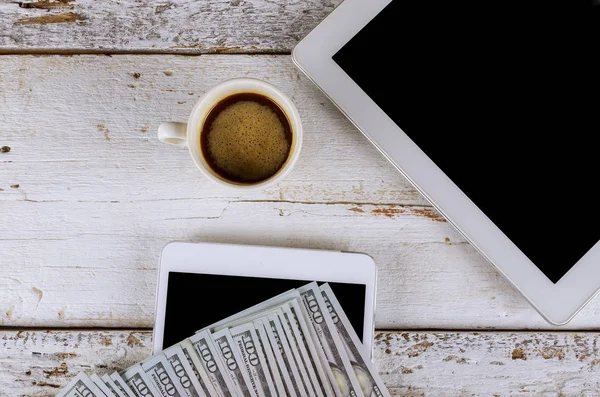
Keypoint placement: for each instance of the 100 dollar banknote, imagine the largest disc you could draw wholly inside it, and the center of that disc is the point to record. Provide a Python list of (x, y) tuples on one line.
[(372, 385), (330, 342), (81, 386)]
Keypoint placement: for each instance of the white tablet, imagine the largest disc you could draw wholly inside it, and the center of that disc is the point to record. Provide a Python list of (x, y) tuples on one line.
[(202, 283), (489, 109)]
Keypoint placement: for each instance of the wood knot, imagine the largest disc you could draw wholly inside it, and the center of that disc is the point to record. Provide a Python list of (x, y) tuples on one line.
[(517, 354), (61, 370), (54, 18), (417, 349), (132, 341)]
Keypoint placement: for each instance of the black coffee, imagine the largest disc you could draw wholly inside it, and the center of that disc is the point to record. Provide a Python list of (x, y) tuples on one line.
[(246, 138)]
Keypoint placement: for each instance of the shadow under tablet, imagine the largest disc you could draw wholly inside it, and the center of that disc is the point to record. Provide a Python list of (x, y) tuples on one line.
[(195, 301)]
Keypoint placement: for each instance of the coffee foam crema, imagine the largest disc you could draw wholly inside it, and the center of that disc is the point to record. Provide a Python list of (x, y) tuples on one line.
[(246, 138)]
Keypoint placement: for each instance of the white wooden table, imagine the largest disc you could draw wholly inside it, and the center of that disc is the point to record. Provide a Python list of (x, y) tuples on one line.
[(88, 197)]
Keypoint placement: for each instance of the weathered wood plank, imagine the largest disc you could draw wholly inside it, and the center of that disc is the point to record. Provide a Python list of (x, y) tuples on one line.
[(489, 364), (94, 118), (179, 26), (39, 363), (88, 197), (36, 363)]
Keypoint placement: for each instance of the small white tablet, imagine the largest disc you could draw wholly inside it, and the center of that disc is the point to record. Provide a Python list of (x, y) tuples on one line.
[(202, 283), (489, 109)]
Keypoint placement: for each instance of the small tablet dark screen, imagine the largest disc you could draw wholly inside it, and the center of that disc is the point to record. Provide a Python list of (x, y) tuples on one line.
[(505, 98), (195, 301)]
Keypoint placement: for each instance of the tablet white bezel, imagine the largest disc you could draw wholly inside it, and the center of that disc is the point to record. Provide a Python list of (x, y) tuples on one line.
[(557, 303), (269, 262)]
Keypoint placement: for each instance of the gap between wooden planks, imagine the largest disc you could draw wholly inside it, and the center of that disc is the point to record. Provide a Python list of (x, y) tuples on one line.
[(436, 364)]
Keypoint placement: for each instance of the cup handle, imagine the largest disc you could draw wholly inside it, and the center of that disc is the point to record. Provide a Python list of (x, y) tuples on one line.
[(173, 133)]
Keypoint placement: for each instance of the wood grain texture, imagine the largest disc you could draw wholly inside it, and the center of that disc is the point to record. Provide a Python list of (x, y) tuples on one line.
[(177, 26), (39, 363), (423, 364), (489, 363), (89, 196)]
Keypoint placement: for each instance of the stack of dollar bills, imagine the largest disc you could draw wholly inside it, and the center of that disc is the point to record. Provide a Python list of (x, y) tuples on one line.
[(298, 344)]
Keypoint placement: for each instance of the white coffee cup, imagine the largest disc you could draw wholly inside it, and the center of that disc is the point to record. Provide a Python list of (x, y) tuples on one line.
[(182, 134)]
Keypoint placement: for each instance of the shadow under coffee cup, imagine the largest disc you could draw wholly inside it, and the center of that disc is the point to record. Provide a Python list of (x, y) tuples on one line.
[(243, 133)]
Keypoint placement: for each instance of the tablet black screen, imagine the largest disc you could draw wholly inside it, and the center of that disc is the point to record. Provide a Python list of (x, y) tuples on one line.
[(505, 98), (195, 301)]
